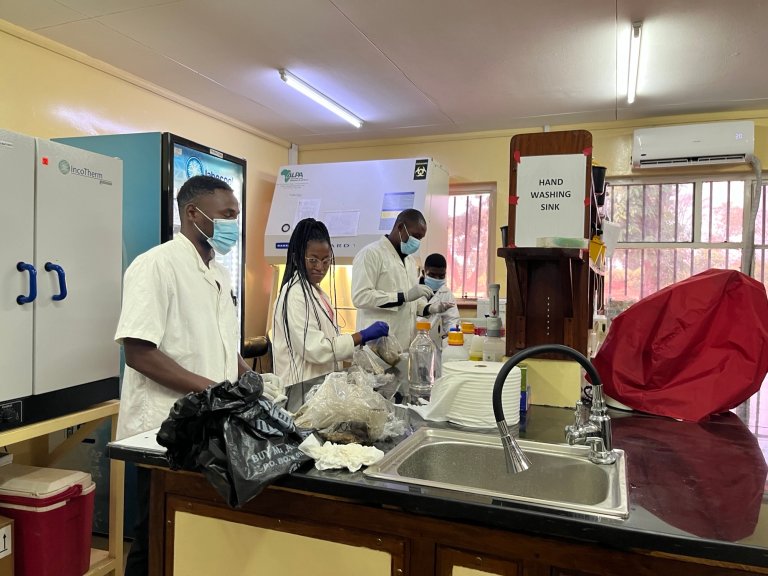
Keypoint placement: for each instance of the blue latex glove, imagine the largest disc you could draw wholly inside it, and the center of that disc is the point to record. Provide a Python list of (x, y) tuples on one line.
[(374, 331)]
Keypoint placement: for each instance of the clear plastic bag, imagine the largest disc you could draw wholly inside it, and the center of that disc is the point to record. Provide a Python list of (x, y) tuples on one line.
[(347, 408), (366, 359), (388, 349)]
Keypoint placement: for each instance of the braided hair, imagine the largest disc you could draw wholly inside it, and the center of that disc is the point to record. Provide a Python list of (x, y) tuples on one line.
[(297, 278)]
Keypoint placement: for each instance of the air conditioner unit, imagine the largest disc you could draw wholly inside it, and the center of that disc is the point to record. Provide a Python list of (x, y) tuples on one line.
[(693, 144)]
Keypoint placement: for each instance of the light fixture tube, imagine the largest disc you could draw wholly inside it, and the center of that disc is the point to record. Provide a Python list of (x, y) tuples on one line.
[(634, 60), (301, 86)]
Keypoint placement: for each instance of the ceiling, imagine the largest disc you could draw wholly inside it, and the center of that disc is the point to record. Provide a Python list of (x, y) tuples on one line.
[(423, 67)]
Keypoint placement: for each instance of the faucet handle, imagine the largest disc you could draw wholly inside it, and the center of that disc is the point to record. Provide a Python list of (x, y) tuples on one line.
[(581, 415)]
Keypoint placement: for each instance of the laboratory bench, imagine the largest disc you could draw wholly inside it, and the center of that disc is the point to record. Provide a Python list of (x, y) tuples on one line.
[(696, 506)]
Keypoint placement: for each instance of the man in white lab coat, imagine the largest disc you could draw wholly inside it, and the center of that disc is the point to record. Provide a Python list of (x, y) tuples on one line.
[(385, 278), (441, 309), (178, 325)]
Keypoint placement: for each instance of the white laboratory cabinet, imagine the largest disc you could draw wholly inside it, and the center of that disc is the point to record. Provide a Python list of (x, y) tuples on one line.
[(60, 278)]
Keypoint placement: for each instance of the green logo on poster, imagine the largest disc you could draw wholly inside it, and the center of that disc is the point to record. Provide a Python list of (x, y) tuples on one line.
[(288, 175), (64, 167)]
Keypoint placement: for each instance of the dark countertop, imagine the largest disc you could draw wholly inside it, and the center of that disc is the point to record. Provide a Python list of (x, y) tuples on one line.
[(694, 489)]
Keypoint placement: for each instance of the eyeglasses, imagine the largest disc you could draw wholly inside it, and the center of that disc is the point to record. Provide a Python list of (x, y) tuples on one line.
[(314, 262)]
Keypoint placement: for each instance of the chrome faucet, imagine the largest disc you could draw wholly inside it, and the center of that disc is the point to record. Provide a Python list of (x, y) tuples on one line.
[(592, 425)]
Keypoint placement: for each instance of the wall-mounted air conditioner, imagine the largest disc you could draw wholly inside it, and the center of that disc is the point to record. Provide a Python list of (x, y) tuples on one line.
[(693, 144)]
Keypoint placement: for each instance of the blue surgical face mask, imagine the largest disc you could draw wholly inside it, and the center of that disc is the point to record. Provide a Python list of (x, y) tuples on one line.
[(434, 283), (226, 233), (410, 246)]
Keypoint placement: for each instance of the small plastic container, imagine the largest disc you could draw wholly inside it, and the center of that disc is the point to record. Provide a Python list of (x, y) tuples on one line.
[(476, 348), (468, 331), (455, 351)]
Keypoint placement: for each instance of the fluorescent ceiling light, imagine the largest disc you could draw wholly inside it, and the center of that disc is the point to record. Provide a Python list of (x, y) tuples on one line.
[(320, 98), (634, 60)]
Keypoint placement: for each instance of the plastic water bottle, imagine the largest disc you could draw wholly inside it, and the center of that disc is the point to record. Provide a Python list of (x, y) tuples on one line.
[(422, 357)]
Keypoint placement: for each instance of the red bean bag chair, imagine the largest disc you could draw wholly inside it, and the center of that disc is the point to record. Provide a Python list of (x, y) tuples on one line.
[(696, 348)]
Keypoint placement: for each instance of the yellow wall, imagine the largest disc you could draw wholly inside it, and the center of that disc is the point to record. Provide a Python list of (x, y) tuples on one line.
[(51, 91)]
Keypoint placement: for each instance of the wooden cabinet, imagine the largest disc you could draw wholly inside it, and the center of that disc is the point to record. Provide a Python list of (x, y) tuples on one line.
[(189, 522)]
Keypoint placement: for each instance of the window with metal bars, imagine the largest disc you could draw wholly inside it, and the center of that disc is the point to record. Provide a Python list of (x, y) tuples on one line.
[(469, 218), (671, 230)]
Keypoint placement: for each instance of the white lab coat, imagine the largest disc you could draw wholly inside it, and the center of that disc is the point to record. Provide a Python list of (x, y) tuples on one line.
[(378, 274), (186, 309), (315, 340), (443, 322)]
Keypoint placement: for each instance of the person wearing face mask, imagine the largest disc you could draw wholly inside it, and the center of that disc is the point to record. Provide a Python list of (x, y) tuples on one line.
[(441, 309), (385, 279), (305, 337), (178, 325)]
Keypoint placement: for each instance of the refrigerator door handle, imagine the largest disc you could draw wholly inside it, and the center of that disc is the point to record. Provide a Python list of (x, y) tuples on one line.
[(21, 299), (50, 266)]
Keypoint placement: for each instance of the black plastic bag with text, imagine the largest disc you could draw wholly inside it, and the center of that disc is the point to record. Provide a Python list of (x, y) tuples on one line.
[(239, 440)]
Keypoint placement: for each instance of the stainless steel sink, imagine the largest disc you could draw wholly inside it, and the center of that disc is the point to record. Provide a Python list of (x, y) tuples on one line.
[(561, 476)]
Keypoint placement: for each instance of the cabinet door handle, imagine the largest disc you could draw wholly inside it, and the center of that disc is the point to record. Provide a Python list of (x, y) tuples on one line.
[(49, 266), (21, 299)]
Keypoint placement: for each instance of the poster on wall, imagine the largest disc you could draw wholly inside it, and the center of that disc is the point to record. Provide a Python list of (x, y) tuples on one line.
[(550, 198)]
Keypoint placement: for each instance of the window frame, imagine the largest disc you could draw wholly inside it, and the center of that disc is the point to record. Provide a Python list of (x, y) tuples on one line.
[(698, 180), (470, 188)]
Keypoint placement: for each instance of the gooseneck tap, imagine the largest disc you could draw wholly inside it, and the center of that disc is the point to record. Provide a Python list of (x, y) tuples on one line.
[(593, 428)]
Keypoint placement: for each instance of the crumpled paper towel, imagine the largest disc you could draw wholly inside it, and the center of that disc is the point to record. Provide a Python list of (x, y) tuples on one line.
[(328, 456)]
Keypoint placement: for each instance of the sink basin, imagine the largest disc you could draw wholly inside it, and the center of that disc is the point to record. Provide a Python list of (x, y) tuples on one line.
[(561, 477)]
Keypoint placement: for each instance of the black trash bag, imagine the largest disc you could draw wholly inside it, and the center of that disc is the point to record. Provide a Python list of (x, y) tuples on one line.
[(240, 441)]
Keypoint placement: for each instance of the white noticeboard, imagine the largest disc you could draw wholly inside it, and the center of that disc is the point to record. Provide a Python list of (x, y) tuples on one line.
[(550, 192)]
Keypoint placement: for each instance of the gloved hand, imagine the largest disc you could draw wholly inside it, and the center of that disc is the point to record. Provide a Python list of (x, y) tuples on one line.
[(418, 291), (374, 331), (440, 307), (274, 390)]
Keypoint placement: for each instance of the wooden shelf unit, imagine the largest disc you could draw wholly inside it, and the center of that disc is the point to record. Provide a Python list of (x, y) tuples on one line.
[(550, 291), (102, 561)]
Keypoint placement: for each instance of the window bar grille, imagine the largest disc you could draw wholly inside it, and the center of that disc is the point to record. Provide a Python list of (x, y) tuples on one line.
[(464, 260), (658, 238), (477, 243), (677, 214), (453, 244), (709, 234), (626, 239), (642, 238), (728, 217)]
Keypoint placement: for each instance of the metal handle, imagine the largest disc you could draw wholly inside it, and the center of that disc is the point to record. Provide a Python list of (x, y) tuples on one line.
[(581, 415), (49, 267), (21, 299)]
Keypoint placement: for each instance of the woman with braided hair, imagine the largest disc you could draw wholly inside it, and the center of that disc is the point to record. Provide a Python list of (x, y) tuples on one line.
[(305, 337)]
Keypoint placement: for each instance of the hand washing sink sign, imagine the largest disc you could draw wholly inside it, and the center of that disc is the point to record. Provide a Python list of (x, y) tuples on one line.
[(561, 477), (550, 198)]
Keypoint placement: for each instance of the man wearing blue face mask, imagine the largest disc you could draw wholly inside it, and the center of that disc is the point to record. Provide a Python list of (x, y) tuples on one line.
[(385, 279), (441, 309), (178, 325)]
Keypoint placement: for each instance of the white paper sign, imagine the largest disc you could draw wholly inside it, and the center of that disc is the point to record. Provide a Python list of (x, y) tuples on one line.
[(550, 191), (307, 208), (342, 223)]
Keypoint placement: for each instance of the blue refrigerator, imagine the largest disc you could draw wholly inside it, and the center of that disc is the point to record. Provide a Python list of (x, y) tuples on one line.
[(155, 165)]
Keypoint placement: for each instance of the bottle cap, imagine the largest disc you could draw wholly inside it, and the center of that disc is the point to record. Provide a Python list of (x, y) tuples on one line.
[(455, 339), (467, 328), (423, 325)]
